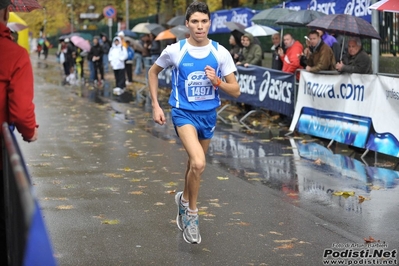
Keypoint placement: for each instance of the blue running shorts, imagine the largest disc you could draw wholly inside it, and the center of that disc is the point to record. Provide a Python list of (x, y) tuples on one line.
[(203, 121)]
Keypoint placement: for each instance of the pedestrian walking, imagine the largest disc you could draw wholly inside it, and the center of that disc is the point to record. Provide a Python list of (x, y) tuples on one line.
[(117, 56), (16, 102), (198, 66)]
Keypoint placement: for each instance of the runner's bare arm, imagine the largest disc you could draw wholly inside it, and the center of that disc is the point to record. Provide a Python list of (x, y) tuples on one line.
[(157, 112), (231, 86)]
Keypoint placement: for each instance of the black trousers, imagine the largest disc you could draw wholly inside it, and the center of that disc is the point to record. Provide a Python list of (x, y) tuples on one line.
[(120, 78), (98, 66), (129, 72)]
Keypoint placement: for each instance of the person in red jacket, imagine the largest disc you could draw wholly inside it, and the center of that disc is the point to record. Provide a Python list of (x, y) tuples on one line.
[(16, 100), (291, 57), (291, 63)]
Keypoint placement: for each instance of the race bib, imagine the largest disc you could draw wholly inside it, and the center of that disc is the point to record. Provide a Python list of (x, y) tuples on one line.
[(199, 87)]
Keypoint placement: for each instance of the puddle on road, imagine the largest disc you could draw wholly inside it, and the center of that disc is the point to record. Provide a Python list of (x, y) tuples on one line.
[(301, 168)]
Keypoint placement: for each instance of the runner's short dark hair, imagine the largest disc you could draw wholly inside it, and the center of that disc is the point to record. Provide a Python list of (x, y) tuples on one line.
[(197, 7)]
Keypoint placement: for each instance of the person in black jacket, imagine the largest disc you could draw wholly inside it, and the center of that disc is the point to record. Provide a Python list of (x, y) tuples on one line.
[(106, 45), (276, 60), (96, 56)]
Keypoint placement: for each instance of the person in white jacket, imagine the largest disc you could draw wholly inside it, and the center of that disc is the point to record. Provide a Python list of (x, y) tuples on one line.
[(117, 56)]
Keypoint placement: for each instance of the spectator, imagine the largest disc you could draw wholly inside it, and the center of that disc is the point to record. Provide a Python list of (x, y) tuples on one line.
[(291, 63), (357, 60), (106, 46), (319, 56), (290, 57), (129, 63), (252, 52), (332, 42), (70, 62), (96, 55), (277, 63), (138, 58), (117, 56), (154, 47), (235, 50), (16, 102)]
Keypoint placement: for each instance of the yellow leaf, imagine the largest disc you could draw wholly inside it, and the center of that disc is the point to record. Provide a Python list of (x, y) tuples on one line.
[(129, 131), (133, 154), (171, 184), (237, 213), (285, 246), (243, 223), (112, 175), (171, 191), (205, 249), (222, 178), (136, 192), (135, 180), (275, 233), (127, 169), (286, 240), (375, 187), (65, 207), (159, 204), (344, 194), (112, 222), (252, 173)]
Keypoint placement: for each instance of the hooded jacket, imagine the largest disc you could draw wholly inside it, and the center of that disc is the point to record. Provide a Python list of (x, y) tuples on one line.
[(16, 86), (117, 55), (253, 53)]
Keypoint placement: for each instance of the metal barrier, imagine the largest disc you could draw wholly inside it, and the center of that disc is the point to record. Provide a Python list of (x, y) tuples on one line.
[(27, 239)]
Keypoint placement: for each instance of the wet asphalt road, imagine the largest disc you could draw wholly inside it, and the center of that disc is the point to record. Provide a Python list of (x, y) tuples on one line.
[(105, 177)]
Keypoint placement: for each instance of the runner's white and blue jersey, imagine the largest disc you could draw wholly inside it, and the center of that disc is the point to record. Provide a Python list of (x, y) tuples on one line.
[(191, 89)]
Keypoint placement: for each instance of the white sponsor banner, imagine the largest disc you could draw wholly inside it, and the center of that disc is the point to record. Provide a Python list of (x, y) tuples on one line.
[(371, 99)]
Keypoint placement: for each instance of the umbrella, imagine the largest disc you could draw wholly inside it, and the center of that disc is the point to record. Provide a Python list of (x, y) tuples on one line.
[(232, 26), (128, 33), (268, 17), (345, 24), (14, 26), (300, 18), (178, 20), (135, 43), (141, 28), (155, 28), (165, 35), (260, 30), (386, 5), (81, 43), (23, 5), (180, 31)]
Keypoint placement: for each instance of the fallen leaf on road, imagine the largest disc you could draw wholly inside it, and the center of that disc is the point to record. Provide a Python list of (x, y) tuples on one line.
[(112, 175), (251, 173), (110, 222), (171, 191), (237, 213), (101, 216), (370, 240), (135, 180), (133, 154), (243, 223), (318, 162), (275, 233), (344, 194), (222, 178), (205, 249), (375, 187), (361, 198), (214, 200), (214, 204), (159, 204), (65, 207), (286, 240), (285, 246), (136, 192)]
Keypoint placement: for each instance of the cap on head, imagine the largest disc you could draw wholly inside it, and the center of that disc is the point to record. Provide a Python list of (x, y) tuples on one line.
[(4, 3)]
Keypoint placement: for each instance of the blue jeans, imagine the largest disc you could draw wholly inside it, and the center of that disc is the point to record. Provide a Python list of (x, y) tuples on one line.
[(105, 63), (91, 68), (139, 63)]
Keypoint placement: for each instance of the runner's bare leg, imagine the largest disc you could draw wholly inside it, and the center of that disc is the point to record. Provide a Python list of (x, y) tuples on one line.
[(196, 150)]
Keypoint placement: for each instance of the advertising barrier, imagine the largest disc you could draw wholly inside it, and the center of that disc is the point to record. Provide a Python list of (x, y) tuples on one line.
[(355, 109)]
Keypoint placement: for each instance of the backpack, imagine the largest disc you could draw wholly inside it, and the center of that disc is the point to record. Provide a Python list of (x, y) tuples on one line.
[(130, 53)]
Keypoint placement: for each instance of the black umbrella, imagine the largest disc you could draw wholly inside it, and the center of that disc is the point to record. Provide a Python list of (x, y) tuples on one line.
[(300, 18), (178, 20), (155, 28), (268, 17), (345, 24)]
